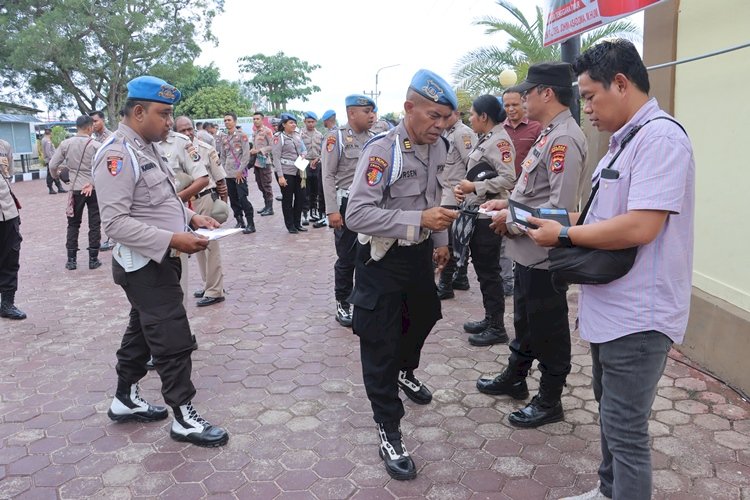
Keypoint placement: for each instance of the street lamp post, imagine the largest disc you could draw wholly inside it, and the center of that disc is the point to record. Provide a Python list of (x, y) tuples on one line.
[(376, 94)]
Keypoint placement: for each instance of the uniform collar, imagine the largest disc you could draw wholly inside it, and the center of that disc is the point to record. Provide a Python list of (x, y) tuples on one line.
[(132, 136)]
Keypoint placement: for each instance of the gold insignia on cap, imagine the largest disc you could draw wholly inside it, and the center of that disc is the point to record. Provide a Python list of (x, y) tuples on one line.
[(433, 90), (167, 92), (362, 102)]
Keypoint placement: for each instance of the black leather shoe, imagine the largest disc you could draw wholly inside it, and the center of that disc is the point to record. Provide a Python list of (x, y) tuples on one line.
[(266, 212), (343, 313), (71, 265), (537, 412), (413, 388), (491, 336), (52, 192), (199, 293), (249, 229), (292, 230), (300, 228), (504, 384), (10, 311), (94, 263), (279, 198), (461, 283), (445, 292), (398, 463), (107, 245), (209, 301), (321, 223), (61, 190), (476, 326)]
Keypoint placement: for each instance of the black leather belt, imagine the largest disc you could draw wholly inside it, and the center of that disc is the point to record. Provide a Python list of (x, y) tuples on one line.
[(204, 193)]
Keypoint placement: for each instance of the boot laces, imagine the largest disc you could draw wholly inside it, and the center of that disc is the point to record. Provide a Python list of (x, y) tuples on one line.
[(137, 399), (194, 415)]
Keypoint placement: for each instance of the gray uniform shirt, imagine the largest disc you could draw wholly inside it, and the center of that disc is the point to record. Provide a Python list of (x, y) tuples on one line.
[(284, 151), (313, 142), (461, 140), (106, 134), (495, 148), (550, 177), (395, 211), (77, 153), (137, 198), (342, 148), (8, 208), (210, 159), (183, 156), (48, 149), (205, 136), (235, 151)]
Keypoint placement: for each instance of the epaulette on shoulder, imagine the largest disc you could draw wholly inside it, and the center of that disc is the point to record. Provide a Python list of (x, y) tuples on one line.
[(447, 144), (375, 138)]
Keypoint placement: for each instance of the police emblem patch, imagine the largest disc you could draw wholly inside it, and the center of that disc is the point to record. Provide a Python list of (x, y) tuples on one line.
[(467, 142), (505, 150), (375, 169), (114, 164), (276, 139), (167, 92), (330, 143), (557, 163)]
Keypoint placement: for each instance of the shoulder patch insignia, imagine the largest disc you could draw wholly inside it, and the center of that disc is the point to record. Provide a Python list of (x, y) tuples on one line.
[(407, 144), (557, 163), (330, 143), (504, 147), (375, 169), (276, 139), (467, 142), (192, 152), (244, 138), (114, 164)]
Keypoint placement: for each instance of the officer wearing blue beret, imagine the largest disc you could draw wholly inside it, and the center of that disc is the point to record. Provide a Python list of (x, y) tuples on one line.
[(140, 210), (394, 206), (313, 140)]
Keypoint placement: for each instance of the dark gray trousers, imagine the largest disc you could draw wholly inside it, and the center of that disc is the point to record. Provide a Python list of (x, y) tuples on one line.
[(625, 374)]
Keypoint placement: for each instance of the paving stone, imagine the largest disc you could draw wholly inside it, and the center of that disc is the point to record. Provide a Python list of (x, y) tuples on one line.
[(733, 440)]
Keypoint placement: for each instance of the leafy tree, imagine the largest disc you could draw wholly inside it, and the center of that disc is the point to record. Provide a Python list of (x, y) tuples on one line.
[(84, 51), (190, 78), (212, 102), (477, 72), (279, 78), (59, 134)]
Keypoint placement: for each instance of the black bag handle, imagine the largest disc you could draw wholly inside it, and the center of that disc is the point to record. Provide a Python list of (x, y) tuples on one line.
[(624, 143)]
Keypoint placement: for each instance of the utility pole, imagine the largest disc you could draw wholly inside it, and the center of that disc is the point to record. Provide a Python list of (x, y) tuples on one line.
[(376, 93), (569, 50)]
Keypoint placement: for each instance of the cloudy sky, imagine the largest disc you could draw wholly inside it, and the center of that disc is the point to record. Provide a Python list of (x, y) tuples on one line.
[(351, 40)]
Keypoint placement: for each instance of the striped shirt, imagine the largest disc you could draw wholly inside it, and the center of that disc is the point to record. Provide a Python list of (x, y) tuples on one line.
[(657, 172)]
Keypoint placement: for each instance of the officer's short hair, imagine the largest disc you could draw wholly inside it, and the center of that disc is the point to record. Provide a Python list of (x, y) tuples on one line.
[(607, 58), (564, 95), (198, 124), (130, 105), (490, 105), (259, 113), (84, 121), (208, 125), (233, 115), (97, 113)]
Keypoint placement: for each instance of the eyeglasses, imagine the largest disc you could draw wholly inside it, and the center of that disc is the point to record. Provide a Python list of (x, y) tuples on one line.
[(525, 93)]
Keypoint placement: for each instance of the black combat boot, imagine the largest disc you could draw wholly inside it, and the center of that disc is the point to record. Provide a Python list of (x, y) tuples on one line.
[(268, 209), (413, 388), (305, 220), (544, 408), (493, 334), (344, 313), (190, 427), (8, 308), (445, 283), (477, 326), (461, 278), (128, 405), (240, 222), (94, 261), (250, 227), (398, 463), (509, 382), (71, 265)]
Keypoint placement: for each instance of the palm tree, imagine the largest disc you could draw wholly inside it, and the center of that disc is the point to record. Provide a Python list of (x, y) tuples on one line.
[(477, 72)]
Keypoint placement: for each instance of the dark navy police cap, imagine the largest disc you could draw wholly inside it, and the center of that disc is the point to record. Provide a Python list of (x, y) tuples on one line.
[(359, 100), (557, 74), (150, 88), (431, 86)]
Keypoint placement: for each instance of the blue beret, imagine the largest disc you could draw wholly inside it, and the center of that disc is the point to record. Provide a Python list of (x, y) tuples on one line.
[(287, 116), (359, 100), (310, 114), (150, 88), (328, 115), (432, 87)]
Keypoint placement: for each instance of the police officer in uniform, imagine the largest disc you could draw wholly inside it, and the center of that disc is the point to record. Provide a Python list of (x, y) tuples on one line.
[(551, 177), (77, 152), (286, 149), (10, 237), (341, 152), (329, 122), (461, 141), (209, 261), (394, 205), (141, 211), (496, 149), (235, 152), (313, 140), (48, 151), (101, 132)]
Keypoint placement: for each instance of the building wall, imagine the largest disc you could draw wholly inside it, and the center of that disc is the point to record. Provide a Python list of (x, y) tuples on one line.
[(710, 100)]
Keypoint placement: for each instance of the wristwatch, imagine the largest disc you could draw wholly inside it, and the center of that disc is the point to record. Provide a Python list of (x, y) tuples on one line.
[(563, 237)]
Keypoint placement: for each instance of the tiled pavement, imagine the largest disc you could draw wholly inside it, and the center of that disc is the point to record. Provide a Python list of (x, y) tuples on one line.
[(277, 370)]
